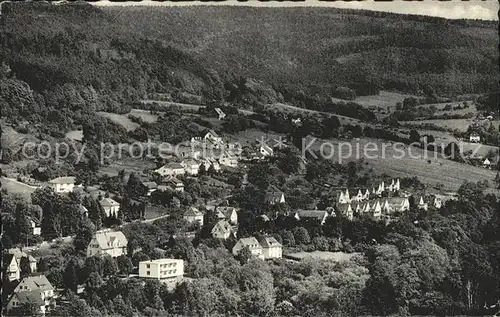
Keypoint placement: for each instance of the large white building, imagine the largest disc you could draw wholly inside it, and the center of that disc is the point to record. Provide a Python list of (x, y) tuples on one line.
[(113, 243), (63, 184), (171, 169), (193, 215), (11, 268), (169, 271)]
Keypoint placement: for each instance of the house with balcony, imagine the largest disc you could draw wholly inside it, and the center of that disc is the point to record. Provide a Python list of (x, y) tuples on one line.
[(107, 242), (163, 270)]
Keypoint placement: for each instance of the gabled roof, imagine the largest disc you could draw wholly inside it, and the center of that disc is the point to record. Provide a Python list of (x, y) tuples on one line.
[(189, 162), (225, 210), (108, 202), (250, 242), (316, 214), (223, 226), (18, 254), (193, 212), (267, 148), (37, 282), (212, 132), (269, 242), (219, 111), (7, 259), (150, 185), (30, 296), (105, 238), (63, 180), (173, 165)]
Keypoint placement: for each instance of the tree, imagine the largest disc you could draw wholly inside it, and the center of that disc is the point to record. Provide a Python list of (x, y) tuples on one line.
[(301, 235), (70, 277), (202, 171), (30, 308), (244, 255), (414, 136), (84, 235), (110, 267), (287, 238), (410, 103), (25, 266), (125, 265)]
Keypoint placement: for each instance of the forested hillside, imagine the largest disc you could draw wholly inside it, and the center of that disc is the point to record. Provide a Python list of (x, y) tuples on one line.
[(61, 63), (327, 47)]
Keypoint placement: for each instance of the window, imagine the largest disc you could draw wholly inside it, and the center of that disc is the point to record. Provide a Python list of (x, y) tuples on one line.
[(148, 266), (148, 273)]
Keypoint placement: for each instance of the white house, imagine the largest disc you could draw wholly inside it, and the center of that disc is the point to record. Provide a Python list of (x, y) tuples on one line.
[(487, 163), (107, 242), (35, 289), (209, 162), (171, 169), (271, 248), (35, 227), (193, 215), (222, 230), (228, 159), (191, 167), (63, 184), (164, 270), (174, 183), (265, 150), (230, 214), (474, 137), (252, 244), (398, 204), (12, 270), (110, 206), (212, 137), (220, 113), (19, 254)]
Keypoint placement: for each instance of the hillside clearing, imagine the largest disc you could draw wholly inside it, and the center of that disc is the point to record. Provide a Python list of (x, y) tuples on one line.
[(120, 119)]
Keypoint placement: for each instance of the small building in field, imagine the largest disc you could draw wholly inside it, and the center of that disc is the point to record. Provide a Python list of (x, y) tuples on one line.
[(252, 244), (474, 137), (64, 184), (107, 242), (271, 248), (110, 206), (486, 163)]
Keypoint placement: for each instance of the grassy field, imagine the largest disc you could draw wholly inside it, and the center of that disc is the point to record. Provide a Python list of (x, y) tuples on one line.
[(385, 100), (459, 124), (15, 187), (121, 119), (186, 106), (145, 115), (76, 135), (293, 109), (396, 161), (129, 165)]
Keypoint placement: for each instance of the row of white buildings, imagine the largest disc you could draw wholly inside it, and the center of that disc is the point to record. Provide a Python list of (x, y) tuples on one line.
[(347, 196)]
